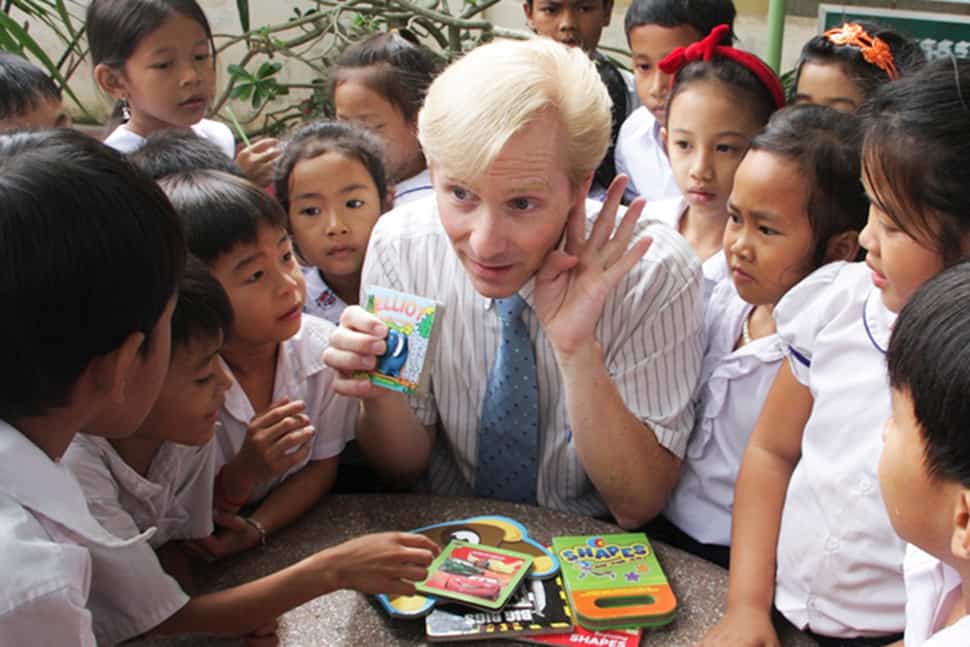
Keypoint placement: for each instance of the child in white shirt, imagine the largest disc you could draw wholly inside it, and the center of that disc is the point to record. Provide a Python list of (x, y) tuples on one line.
[(925, 466), (283, 426), (161, 479), (809, 529), (332, 184), (380, 83), (654, 28), (157, 60), (784, 222), (102, 342), (717, 102)]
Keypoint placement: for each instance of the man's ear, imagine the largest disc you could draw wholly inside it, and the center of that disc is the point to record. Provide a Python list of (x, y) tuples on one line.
[(111, 81), (960, 540), (116, 370), (842, 247), (527, 10)]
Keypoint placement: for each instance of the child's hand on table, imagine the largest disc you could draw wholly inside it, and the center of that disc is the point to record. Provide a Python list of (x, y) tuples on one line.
[(233, 535), (389, 562), (743, 628), (265, 636), (258, 161)]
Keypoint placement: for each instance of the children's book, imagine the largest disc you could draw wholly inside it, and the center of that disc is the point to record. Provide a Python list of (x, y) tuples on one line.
[(475, 575), (538, 607), (489, 530), (614, 581), (411, 321), (588, 638)]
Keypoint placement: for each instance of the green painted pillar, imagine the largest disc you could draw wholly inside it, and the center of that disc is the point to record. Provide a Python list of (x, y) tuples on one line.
[(776, 33)]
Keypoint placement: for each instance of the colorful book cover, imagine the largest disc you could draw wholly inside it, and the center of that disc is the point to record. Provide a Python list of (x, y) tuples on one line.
[(411, 322), (538, 607), (475, 575), (614, 581)]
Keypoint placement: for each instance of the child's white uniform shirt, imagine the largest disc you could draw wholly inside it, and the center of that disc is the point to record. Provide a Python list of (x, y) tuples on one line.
[(932, 590), (731, 392), (175, 498), (49, 547), (321, 301), (840, 562), (413, 188), (300, 375), (640, 154), (125, 140), (670, 211)]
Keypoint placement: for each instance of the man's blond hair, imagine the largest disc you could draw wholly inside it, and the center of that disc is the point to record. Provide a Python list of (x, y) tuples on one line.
[(480, 101)]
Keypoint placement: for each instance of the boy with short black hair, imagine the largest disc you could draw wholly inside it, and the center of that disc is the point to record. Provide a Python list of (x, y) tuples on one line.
[(924, 471), (655, 28), (90, 254), (283, 426), (176, 150), (579, 23), (28, 97)]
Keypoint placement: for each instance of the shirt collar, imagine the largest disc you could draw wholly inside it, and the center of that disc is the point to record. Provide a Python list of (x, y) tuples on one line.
[(40, 484), (298, 358), (527, 292), (878, 320)]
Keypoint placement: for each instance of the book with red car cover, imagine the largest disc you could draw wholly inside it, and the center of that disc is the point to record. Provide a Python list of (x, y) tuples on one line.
[(538, 607), (614, 581), (479, 576)]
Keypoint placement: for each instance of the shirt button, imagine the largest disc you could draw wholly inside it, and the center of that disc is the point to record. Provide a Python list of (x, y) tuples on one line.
[(811, 602), (831, 544), (865, 485)]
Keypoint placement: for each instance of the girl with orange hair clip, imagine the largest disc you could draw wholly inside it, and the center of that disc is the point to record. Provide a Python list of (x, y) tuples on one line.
[(843, 66)]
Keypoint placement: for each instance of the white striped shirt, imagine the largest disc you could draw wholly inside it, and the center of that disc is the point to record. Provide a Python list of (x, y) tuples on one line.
[(649, 331)]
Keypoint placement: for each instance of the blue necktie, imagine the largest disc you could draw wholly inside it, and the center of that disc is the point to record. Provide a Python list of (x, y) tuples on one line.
[(509, 430)]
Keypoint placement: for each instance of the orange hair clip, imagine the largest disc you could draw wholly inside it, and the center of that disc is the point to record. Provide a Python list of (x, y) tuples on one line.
[(873, 49)]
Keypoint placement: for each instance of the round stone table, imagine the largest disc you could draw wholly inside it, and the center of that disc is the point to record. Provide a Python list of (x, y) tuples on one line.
[(348, 618)]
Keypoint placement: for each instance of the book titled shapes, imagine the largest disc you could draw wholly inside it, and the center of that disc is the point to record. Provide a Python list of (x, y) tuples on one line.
[(614, 581), (411, 321)]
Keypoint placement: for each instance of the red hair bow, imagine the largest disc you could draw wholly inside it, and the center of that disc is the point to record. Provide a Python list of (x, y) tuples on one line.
[(710, 47)]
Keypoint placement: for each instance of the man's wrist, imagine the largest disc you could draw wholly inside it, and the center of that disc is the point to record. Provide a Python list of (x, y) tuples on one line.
[(579, 358)]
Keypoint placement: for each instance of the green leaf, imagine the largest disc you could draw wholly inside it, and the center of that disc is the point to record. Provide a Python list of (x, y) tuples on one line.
[(268, 69), (238, 72), (242, 6), (243, 91)]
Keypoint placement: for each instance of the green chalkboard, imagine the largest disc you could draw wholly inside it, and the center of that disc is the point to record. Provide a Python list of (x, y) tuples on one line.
[(939, 34)]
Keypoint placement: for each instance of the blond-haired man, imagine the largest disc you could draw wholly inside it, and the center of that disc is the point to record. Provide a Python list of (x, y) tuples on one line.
[(578, 400)]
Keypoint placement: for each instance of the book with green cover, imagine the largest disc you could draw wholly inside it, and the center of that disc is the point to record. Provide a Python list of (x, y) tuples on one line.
[(614, 581)]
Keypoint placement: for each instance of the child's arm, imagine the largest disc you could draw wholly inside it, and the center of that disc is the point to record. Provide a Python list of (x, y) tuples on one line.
[(284, 505), (771, 457), (381, 563)]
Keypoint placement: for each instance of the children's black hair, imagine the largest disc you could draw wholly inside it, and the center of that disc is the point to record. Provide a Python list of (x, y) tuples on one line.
[(90, 252), (321, 137), (401, 69), (115, 27), (219, 211), (179, 150), (916, 154), (826, 145), (23, 86), (203, 310), (702, 15), (929, 359), (749, 90), (907, 57)]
